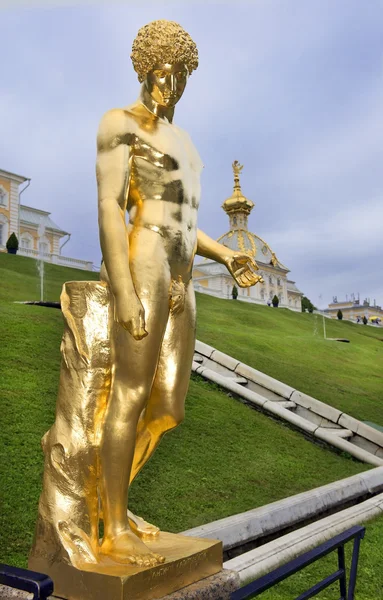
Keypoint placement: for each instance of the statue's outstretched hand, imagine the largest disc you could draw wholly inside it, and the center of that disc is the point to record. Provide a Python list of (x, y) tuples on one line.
[(130, 313), (241, 266)]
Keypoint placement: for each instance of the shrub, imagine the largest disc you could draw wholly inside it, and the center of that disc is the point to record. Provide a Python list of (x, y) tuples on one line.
[(307, 305), (12, 242), (234, 292), (275, 301), (339, 314)]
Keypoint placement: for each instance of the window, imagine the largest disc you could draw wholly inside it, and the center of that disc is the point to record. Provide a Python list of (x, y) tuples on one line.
[(270, 279), (1, 234), (43, 248), (278, 281), (26, 242), (3, 197), (234, 220)]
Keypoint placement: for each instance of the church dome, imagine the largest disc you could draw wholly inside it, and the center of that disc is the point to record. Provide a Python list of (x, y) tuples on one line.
[(239, 238), (237, 203)]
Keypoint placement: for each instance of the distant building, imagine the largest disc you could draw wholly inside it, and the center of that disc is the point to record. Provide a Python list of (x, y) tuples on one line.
[(38, 235), (352, 310), (213, 278)]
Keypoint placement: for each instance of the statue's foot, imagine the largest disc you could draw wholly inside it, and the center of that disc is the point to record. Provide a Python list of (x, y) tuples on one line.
[(142, 528), (126, 548)]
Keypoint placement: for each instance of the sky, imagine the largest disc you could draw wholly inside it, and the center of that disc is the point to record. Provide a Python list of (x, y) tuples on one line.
[(293, 89)]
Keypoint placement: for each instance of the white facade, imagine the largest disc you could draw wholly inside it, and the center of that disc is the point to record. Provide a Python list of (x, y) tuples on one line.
[(212, 278)]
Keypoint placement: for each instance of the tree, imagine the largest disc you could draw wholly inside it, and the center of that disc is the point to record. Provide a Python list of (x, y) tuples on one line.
[(365, 320), (339, 314), (275, 301), (234, 292), (307, 305), (12, 244)]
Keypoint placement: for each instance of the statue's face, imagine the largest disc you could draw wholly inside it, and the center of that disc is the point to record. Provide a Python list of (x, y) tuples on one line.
[(166, 83)]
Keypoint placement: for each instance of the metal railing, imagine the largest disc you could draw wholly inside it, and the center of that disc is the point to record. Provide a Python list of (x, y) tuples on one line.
[(41, 586), (266, 582)]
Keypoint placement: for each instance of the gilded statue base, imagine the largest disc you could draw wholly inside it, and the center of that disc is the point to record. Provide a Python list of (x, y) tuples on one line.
[(187, 560)]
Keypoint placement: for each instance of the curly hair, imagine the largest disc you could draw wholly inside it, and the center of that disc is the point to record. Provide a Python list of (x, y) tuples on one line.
[(162, 42)]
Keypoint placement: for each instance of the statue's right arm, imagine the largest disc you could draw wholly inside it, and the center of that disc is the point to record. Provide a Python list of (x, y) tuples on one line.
[(112, 174)]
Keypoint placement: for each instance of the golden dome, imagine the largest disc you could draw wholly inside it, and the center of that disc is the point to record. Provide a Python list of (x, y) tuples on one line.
[(237, 201)]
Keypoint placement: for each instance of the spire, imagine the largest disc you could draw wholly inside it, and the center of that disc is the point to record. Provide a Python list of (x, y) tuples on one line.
[(238, 207), (237, 168)]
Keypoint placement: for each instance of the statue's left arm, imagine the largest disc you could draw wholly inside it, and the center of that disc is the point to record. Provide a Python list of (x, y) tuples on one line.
[(239, 264)]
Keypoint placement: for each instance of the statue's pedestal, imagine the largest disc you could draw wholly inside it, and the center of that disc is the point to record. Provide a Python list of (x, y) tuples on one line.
[(215, 587), (188, 560)]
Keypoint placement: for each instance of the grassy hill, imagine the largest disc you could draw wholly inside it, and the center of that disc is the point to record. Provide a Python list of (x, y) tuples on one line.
[(236, 458), (283, 344), (291, 348), (20, 279)]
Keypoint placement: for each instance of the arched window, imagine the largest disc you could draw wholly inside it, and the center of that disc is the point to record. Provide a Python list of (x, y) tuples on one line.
[(3, 230), (270, 279), (44, 245), (26, 241), (3, 196), (234, 220), (278, 281)]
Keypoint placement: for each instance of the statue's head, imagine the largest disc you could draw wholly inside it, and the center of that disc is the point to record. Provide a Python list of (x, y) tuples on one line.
[(164, 55)]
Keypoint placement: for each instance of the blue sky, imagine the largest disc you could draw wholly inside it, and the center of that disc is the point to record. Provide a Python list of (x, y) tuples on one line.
[(292, 89)]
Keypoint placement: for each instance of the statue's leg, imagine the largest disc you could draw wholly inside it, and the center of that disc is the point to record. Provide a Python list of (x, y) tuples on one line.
[(165, 408), (135, 364)]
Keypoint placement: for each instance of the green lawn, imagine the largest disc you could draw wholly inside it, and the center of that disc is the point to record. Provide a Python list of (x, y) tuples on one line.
[(291, 348), (224, 459), (20, 279)]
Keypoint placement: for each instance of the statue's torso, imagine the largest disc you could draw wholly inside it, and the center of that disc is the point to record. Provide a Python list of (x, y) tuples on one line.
[(163, 188)]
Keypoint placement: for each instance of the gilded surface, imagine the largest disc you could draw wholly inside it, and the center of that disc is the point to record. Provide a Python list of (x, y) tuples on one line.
[(129, 340)]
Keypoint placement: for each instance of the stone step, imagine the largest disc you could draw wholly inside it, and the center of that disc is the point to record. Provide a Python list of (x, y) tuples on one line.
[(198, 358), (287, 404), (240, 380), (343, 433)]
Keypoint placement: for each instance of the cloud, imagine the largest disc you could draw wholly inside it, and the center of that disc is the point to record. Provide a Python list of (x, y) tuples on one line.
[(291, 89)]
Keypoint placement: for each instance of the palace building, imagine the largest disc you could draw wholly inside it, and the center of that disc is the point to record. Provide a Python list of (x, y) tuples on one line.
[(354, 310), (39, 236), (213, 278)]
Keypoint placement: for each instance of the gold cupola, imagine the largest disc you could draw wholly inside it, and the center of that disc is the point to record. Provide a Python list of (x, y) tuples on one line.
[(237, 207)]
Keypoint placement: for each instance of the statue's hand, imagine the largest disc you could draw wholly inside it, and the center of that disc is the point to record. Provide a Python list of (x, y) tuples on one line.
[(241, 266), (130, 313)]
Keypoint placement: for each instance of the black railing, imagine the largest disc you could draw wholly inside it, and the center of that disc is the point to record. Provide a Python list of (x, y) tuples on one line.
[(41, 586), (337, 543)]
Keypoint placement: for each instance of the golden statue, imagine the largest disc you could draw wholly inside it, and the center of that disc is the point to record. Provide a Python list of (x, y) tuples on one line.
[(129, 340)]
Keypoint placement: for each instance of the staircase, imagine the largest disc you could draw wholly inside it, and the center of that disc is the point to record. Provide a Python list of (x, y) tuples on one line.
[(313, 417)]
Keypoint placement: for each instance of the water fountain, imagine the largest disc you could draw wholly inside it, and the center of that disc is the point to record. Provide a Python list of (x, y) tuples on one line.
[(40, 261)]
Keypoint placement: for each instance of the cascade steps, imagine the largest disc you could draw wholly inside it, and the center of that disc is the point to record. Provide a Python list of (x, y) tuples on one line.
[(315, 418)]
